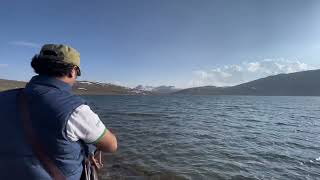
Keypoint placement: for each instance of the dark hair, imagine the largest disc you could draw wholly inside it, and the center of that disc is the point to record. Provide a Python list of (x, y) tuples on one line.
[(51, 67)]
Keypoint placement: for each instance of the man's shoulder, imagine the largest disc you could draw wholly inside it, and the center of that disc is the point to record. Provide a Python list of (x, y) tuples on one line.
[(9, 93), (56, 98), (8, 101), (78, 99), (69, 98), (57, 94)]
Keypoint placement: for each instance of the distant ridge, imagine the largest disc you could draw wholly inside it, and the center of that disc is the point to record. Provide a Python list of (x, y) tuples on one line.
[(82, 88), (305, 83), (160, 90), (11, 84), (97, 88)]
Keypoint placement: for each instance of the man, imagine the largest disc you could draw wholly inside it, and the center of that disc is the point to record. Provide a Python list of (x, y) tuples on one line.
[(62, 123)]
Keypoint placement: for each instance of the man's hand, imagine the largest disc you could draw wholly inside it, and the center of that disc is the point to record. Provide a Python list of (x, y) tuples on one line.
[(96, 160)]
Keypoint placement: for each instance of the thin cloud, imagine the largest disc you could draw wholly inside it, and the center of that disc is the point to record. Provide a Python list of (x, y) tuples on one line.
[(3, 65), (25, 44), (247, 71)]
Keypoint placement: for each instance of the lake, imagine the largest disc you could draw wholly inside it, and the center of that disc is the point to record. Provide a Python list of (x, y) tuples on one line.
[(211, 137)]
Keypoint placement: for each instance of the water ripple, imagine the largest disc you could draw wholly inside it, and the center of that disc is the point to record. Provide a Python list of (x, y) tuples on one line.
[(212, 137)]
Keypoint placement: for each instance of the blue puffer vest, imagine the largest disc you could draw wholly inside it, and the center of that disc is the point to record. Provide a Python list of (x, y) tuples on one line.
[(50, 104)]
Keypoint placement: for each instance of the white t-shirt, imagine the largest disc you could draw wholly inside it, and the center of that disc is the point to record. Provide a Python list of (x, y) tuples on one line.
[(86, 125)]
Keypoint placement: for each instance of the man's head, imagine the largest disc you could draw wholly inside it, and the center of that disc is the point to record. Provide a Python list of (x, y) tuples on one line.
[(59, 61)]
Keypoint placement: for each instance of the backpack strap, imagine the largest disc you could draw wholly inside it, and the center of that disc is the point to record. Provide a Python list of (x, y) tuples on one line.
[(32, 139)]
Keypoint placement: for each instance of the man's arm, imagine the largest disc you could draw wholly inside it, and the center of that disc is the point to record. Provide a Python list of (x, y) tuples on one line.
[(107, 143), (85, 125)]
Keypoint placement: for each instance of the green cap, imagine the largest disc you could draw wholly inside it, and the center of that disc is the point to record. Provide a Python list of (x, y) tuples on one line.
[(60, 52)]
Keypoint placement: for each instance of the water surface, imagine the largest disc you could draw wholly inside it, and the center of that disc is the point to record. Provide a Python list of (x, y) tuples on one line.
[(212, 137)]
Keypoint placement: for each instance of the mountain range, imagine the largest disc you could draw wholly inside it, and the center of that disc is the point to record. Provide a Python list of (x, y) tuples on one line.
[(82, 88), (304, 83), (157, 90)]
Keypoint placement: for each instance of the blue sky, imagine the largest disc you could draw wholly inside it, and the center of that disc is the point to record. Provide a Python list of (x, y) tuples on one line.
[(165, 42)]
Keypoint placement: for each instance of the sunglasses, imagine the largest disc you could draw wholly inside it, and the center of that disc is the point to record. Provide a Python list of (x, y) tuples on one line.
[(78, 71)]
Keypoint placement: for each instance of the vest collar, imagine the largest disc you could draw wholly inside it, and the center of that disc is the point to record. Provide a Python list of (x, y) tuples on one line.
[(50, 81)]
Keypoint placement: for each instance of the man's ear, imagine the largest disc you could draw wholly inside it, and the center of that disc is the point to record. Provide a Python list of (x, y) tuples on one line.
[(72, 73)]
